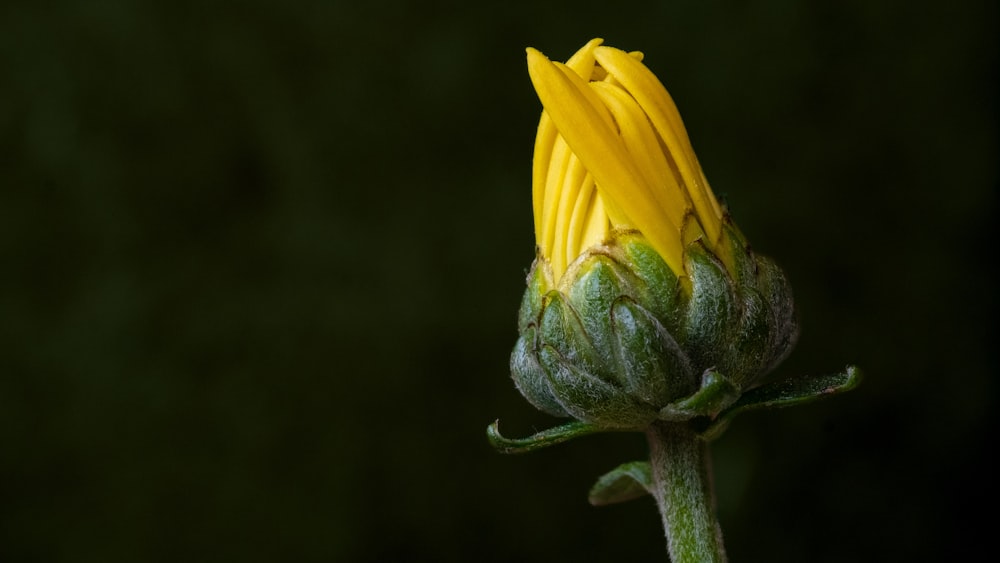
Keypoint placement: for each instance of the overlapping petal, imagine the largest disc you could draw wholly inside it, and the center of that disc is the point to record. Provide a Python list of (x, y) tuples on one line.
[(612, 152)]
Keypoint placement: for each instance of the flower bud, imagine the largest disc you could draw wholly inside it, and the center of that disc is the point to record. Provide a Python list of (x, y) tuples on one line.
[(641, 284)]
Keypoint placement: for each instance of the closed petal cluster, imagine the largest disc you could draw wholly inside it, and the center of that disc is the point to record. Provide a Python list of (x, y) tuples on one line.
[(612, 154)]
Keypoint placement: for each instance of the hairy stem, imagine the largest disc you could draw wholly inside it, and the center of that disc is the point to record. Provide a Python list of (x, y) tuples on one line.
[(682, 486)]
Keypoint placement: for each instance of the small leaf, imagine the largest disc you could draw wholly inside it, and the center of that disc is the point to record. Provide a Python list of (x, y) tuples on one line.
[(625, 482), (785, 393), (542, 439), (717, 392)]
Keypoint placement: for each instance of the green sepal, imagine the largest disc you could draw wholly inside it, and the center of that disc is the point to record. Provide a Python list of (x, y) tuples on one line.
[(530, 378), (626, 482), (595, 287), (561, 328), (662, 290), (539, 440), (589, 398), (745, 357), (777, 292), (654, 368), (533, 299), (713, 313), (744, 264), (787, 393), (717, 392), (748, 349)]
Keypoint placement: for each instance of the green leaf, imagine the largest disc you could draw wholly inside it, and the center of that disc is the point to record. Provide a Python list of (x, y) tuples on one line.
[(625, 482), (787, 393), (542, 439), (717, 392)]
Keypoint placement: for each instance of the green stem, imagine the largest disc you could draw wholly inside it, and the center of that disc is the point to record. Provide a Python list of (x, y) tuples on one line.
[(682, 486)]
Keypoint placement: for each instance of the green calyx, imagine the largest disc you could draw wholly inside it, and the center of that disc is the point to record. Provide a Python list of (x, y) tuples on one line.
[(620, 341)]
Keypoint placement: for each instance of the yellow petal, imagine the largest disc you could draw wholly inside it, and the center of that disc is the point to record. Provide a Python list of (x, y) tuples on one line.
[(569, 193), (577, 229), (588, 128), (596, 228), (644, 147), (553, 181), (544, 143), (582, 62), (643, 85)]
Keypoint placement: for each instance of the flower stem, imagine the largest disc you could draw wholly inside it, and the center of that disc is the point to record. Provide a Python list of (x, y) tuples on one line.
[(682, 486)]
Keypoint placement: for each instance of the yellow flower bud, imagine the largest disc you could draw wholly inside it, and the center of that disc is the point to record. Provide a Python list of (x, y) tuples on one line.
[(643, 292)]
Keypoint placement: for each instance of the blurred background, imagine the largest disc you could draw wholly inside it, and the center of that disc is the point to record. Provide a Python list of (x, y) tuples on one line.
[(261, 264)]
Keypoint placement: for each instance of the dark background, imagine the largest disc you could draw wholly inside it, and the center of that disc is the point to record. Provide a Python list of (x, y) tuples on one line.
[(261, 263)]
